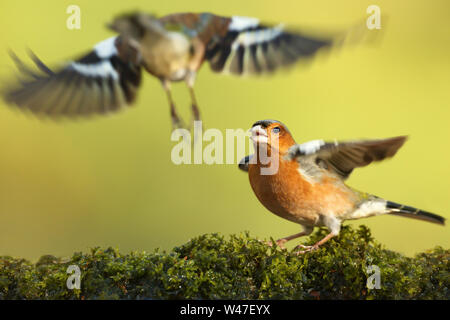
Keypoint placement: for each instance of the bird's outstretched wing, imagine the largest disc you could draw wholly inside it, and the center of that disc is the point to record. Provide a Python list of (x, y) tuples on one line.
[(249, 47), (342, 157), (99, 82)]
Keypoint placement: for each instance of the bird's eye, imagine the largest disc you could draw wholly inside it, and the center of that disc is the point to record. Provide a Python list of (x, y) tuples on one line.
[(276, 130)]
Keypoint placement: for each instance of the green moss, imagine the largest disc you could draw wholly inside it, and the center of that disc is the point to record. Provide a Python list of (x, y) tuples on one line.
[(239, 267)]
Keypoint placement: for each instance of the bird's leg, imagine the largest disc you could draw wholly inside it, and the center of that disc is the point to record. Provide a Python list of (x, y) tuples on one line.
[(332, 223), (176, 120), (282, 241), (195, 114), (195, 109), (190, 80), (316, 245)]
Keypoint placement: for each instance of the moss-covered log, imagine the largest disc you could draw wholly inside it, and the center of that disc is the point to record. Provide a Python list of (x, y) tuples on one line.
[(237, 267)]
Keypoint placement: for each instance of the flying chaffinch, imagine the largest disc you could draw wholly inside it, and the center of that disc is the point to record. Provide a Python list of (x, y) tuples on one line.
[(171, 48), (308, 186)]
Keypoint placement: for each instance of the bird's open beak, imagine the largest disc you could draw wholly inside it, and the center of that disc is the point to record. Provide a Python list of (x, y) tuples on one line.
[(259, 135)]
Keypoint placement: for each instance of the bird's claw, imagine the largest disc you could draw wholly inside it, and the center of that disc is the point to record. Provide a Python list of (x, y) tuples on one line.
[(177, 123), (307, 249), (280, 243)]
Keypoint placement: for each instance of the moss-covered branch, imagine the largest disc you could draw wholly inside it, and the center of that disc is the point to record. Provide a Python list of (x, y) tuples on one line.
[(240, 267)]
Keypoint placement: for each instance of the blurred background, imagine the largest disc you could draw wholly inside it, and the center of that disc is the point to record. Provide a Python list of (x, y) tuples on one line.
[(72, 185)]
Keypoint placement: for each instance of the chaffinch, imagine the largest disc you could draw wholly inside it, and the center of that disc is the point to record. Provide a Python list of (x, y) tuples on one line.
[(171, 48), (308, 185)]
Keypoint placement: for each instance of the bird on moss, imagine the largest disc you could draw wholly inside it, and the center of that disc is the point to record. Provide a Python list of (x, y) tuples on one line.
[(307, 181), (172, 48)]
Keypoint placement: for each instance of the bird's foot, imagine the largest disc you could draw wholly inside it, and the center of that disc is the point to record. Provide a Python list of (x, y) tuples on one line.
[(280, 243), (177, 123), (182, 132), (307, 249), (197, 127)]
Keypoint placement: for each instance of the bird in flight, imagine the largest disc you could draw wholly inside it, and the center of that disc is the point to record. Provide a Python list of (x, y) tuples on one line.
[(172, 48), (308, 185)]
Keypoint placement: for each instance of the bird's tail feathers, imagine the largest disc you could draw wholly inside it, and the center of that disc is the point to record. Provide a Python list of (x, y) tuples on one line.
[(414, 213)]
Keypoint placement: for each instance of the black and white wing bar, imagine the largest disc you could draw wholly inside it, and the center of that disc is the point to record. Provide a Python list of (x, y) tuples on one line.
[(253, 48), (99, 82)]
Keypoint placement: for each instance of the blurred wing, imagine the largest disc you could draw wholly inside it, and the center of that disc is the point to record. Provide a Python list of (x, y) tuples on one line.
[(99, 82), (342, 157), (249, 47)]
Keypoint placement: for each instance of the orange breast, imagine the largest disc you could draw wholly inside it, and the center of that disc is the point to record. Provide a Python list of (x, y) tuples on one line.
[(291, 196)]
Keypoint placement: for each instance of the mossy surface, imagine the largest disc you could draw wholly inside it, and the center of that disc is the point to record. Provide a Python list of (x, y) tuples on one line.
[(236, 267)]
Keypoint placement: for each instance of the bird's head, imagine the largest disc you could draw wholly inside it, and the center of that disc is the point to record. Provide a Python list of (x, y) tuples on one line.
[(273, 134), (135, 24)]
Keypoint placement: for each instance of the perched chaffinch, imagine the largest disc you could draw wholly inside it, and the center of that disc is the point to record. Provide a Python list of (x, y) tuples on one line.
[(171, 48), (308, 185)]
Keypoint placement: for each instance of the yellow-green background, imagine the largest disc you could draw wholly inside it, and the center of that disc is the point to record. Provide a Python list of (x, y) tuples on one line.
[(69, 186)]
